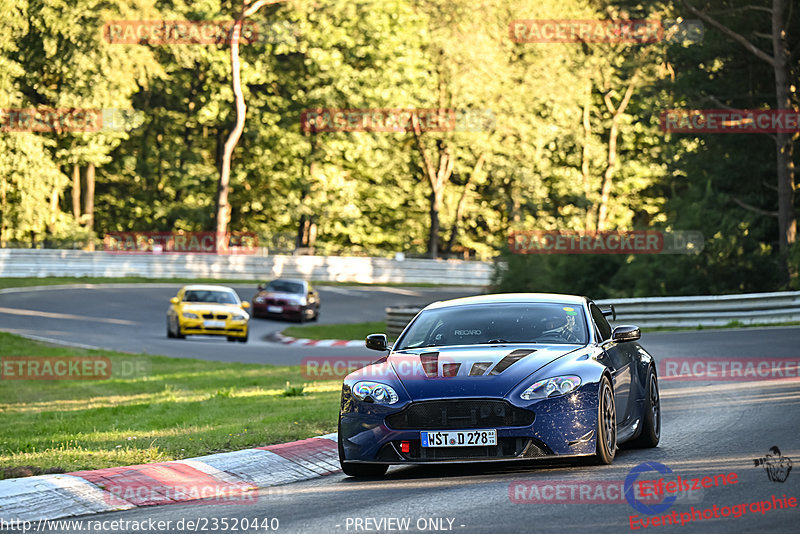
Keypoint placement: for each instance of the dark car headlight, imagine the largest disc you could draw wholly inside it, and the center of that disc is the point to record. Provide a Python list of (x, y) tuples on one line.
[(552, 387), (189, 315), (379, 393)]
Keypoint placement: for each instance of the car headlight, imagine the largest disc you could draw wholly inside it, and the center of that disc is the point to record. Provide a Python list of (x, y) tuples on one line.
[(380, 393), (189, 315), (238, 317), (552, 387), (259, 299)]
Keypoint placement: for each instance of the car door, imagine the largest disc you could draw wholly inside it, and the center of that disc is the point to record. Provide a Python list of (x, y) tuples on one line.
[(620, 362)]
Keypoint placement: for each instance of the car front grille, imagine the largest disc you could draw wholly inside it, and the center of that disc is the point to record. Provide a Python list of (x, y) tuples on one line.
[(219, 316), (506, 448), (459, 414)]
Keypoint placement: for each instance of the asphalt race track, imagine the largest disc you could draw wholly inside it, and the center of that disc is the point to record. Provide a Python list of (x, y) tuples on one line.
[(709, 428), (132, 318)]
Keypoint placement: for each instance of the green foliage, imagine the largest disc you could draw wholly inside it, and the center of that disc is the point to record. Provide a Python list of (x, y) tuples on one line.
[(537, 166)]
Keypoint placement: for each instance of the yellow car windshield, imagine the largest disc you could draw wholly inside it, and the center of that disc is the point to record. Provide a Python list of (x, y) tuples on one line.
[(211, 297)]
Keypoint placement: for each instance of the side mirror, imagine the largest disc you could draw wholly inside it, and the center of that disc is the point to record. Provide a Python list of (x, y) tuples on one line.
[(174, 300), (626, 332), (245, 304), (377, 342), (261, 287)]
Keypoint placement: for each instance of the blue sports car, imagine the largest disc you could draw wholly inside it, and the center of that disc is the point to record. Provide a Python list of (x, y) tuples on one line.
[(500, 377)]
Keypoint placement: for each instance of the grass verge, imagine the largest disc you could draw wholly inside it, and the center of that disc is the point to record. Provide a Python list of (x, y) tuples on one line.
[(336, 331), (177, 408)]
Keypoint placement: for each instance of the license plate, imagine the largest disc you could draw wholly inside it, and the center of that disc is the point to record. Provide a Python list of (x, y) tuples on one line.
[(274, 309), (214, 324), (459, 438)]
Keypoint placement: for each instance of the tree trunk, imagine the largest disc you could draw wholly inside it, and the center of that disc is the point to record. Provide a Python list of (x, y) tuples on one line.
[(462, 202), (611, 167), (787, 223), (51, 225), (223, 217), (89, 205), (433, 234), (3, 213), (585, 168), (437, 177), (76, 192), (779, 61)]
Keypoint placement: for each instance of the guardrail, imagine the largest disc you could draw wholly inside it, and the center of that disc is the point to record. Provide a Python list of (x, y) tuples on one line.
[(51, 262), (753, 308)]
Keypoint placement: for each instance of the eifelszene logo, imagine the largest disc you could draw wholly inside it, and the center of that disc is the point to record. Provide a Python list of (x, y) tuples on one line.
[(775, 464)]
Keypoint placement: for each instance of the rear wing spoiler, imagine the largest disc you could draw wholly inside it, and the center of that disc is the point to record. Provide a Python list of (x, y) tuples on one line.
[(609, 311)]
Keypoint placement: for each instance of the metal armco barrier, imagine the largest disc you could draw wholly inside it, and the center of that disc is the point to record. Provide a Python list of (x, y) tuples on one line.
[(50, 262), (754, 308)]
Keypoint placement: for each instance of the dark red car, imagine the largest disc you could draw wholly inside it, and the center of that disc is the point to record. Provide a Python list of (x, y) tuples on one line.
[(287, 298)]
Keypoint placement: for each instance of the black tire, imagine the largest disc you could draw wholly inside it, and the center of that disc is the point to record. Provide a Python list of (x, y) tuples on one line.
[(606, 424), (359, 470), (232, 339), (651, 423), (316, 315), (169, 330), (178, 333), (243, 339)]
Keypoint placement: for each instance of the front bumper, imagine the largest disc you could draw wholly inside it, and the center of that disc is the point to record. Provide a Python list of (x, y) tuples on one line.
[(196, 327), (562, 426), (288, 311)]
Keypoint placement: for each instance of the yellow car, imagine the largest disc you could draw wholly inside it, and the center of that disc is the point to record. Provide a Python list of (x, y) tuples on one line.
[(208, 310)]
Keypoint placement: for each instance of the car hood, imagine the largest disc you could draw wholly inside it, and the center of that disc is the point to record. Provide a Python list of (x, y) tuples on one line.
[(280, 295), (199, 307), (477, 370)]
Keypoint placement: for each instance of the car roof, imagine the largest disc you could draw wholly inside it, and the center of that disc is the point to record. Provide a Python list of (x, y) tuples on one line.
[(509, 298), (207, 287)]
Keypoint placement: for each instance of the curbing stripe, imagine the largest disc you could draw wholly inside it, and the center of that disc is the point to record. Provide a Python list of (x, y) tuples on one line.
[(233, 476), (51, 497), (318, 455), (277, 337)]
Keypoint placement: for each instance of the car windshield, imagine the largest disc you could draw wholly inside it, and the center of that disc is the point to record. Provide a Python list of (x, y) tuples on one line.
[(284, 286), (497, 323), (214, 297)]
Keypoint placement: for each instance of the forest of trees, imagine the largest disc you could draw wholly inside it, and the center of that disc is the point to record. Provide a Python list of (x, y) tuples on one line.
[(572, 139)]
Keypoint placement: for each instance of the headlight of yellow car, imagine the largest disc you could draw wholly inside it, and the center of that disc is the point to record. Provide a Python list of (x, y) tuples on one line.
[(237, 317), (189, 315)]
